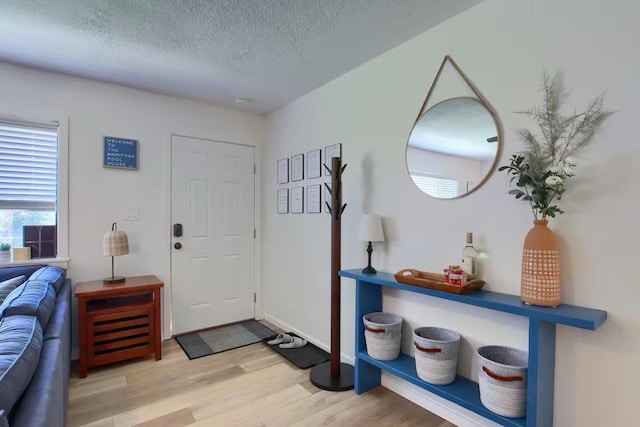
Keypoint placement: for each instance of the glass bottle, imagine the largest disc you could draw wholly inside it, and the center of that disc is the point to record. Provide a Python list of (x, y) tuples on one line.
[(469, 256)]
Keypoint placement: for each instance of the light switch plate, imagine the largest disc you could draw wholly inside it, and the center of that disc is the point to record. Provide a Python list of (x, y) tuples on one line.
[(132, 214)]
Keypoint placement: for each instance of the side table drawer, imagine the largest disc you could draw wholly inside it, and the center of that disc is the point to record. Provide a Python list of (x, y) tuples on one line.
[(118, 336)]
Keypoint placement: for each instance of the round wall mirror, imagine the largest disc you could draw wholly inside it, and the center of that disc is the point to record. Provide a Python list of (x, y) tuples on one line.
[(453, 148)]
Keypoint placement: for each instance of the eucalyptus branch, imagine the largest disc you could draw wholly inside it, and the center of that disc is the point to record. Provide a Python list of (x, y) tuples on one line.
[(541, 169)]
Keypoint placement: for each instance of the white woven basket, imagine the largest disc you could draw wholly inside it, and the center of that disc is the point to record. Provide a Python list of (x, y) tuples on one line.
[(502, 377), (436, 354), (383, 335)]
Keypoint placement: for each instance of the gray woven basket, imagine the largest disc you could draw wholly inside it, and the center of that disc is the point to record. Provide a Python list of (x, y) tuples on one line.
[(436, 354), (502, 377), (383, 335)]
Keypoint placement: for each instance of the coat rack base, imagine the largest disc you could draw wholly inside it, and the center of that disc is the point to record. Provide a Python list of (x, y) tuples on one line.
[(320, 376)]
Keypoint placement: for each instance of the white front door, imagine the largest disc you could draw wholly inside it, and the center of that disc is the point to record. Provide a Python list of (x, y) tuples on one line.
[(212, 197)]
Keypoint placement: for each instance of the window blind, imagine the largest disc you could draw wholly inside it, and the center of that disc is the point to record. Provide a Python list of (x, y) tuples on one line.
[(436, 187), (28, 166)]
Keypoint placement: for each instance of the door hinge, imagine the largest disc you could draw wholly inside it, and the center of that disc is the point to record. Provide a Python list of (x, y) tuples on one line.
[(254, 233), (255, 298), (254, 169)]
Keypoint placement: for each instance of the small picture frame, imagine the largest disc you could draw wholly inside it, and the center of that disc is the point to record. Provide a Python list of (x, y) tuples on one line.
[(297, 167), (330, 152), (297, 200), (283, 201), (313, 199), (283, 171), (120, 153), (314, 164), (327, 197)]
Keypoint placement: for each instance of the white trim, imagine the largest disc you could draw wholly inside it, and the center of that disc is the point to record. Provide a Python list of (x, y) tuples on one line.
[(257, 220), (63, 188), (62, 262), (167, 290)]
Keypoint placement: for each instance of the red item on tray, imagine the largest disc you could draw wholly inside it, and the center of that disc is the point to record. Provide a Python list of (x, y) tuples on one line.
[(454, 275)]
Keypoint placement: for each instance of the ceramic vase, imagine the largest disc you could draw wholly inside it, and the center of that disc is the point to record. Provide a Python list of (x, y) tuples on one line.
[(5, 256), (540, 278)]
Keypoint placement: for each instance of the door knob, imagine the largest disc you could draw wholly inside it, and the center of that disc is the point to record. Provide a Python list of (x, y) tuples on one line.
[(177, 245)]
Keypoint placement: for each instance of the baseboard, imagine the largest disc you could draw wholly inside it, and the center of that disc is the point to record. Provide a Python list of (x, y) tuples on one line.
[(450, 411), (287, 327)]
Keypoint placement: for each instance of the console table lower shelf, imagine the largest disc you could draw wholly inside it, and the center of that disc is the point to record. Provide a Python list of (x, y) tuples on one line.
[(462, 391)]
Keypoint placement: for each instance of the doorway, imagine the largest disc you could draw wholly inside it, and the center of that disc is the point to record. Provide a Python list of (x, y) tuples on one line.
[(213, 233)]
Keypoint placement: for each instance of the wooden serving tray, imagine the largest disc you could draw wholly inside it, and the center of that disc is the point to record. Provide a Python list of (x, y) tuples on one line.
[(436, 281)]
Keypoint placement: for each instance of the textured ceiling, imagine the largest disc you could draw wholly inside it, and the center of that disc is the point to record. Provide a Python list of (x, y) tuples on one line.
[(269, 51)]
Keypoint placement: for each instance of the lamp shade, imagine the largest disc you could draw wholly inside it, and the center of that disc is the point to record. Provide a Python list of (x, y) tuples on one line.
[(371, 228), (115, 242)]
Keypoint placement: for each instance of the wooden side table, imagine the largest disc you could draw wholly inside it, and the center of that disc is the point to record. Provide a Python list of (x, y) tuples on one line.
[(118, 321)]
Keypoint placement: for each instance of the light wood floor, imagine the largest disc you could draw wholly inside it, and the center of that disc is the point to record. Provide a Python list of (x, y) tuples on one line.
[(248, 386)]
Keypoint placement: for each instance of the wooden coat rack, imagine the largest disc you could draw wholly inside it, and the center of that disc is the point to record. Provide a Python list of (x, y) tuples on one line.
[(333, 375)]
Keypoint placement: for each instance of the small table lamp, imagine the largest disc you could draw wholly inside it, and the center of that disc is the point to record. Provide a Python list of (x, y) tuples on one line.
[(115, 243), (371, 231)]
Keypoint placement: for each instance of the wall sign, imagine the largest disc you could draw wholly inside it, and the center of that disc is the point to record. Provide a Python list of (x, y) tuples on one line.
[(120, 153)]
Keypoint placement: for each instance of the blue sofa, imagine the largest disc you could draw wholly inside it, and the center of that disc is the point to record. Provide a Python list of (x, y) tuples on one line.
[(35, 347)]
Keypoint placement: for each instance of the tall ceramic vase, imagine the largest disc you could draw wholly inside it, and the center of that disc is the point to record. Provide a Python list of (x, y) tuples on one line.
[(540, 278)]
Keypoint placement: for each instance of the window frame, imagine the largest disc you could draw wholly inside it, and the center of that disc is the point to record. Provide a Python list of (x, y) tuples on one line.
[(62, 198)]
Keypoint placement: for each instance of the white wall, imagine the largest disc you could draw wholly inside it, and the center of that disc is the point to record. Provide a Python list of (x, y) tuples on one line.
[(100, 196), (502, 46)]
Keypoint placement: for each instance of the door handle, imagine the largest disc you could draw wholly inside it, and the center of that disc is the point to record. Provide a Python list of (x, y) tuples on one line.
[(177, 245)]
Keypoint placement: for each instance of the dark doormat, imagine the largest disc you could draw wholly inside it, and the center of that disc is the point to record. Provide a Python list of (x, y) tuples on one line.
[(303, 357), (223, 338)]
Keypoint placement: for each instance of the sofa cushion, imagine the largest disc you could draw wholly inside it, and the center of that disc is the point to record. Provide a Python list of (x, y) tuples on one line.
[(20, 345), (59, 325), (20, 270), (9, 285), (50, 273), (32, 298)]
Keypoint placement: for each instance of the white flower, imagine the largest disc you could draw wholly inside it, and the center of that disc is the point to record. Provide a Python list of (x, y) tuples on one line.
[(570, 162), (554, 170), (569, 171), (553, 180)]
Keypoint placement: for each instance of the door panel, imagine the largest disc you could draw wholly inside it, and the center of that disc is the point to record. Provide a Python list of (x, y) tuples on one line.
[(213, 197)]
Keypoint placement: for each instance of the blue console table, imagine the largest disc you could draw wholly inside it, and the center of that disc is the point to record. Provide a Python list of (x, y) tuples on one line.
[(464, 392)]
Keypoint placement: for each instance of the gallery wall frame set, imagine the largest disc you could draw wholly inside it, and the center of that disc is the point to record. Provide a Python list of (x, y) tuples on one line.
[(294, 169)]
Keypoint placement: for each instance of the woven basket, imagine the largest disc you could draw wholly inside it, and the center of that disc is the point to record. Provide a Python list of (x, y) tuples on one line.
[(383, 335), (502, 376), (436, 354)]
